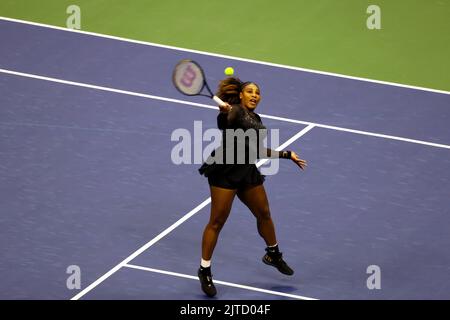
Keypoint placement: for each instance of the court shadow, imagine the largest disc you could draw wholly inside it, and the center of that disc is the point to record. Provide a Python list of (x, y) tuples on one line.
[(285, 289)]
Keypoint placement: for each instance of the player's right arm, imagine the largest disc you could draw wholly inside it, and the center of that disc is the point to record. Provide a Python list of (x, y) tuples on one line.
[(227, 116)]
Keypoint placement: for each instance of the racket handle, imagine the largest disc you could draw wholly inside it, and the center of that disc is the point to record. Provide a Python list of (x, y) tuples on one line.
[(218, 101)]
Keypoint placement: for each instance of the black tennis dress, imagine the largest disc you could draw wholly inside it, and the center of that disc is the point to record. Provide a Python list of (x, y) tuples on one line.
[(233, 174)]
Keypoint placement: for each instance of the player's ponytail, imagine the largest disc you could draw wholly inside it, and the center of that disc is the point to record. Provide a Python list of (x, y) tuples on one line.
[(229, 89)]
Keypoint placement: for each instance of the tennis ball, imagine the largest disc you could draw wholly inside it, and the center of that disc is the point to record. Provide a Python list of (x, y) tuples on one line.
[(229, 71)]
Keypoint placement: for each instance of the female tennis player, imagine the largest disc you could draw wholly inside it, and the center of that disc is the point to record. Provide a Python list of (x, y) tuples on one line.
[(227, 180)]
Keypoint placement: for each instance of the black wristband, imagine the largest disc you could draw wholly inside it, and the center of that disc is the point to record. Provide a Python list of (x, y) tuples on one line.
[(285, 154)]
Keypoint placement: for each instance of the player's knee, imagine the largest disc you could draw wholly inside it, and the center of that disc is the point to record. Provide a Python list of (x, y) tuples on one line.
[(264, 213), (217, 224)]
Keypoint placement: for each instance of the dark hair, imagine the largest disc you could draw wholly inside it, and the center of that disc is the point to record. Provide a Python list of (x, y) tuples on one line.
[(230, 88)]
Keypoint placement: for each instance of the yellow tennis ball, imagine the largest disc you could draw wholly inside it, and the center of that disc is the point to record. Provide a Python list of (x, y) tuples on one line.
[(229, 71)]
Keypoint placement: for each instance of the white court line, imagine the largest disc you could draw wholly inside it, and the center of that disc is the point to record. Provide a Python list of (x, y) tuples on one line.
[(229, 284), (141, 249), (276, 65), (365, 133), (91, 86), (171, 228), (200, 105)]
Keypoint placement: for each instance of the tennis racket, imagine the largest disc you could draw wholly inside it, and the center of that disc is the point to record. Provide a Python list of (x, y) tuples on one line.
[(188, 77)]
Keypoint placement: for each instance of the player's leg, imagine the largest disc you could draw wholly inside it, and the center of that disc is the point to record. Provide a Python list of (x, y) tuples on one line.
[(255, 198), (221, 201)]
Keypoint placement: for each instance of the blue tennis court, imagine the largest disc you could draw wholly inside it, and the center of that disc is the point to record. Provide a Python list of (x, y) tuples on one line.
[(86, 178)]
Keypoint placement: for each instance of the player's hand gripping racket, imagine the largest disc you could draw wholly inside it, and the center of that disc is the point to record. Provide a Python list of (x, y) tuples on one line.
[(189, 78)]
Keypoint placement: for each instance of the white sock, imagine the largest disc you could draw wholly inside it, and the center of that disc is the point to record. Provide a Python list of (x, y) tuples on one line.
[(273, 245), (205, 263)]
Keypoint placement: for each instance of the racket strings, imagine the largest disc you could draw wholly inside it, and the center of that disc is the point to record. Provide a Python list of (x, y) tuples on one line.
[(188, 77)]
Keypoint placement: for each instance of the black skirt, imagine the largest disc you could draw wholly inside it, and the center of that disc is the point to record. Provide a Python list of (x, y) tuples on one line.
[(232, 176)]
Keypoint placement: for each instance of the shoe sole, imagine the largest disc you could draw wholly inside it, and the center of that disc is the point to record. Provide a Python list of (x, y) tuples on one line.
[(272, 265)]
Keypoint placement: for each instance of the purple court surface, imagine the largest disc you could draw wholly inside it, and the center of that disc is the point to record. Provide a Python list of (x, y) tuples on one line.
[(86, 179)]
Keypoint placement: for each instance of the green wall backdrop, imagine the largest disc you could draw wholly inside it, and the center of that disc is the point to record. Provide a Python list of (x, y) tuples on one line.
[(412, 47)]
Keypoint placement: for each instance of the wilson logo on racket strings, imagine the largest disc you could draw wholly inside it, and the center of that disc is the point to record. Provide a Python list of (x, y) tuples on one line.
[(240, 146), (188, 77)]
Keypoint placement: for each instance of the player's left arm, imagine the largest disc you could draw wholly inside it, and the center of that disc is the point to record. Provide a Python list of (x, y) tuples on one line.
[(286, 154)]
